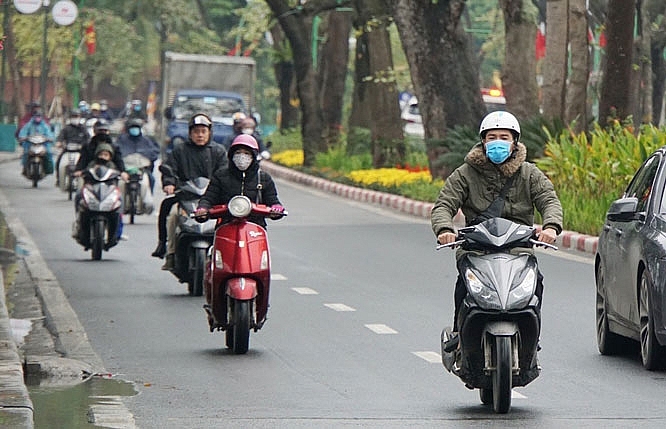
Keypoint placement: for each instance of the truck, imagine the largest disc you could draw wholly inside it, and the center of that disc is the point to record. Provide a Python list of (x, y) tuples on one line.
[(216, 85)]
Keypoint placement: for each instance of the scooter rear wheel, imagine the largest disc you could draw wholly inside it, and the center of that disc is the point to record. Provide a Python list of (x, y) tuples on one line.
[(502, 375), (195, 285), (486, 396), (34, 174)]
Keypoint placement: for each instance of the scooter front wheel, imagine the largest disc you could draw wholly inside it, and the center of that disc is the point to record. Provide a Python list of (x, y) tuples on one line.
[(240, 327), (502, 375), (97, 239)]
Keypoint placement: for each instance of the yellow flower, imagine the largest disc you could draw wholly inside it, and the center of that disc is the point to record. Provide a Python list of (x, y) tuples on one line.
[(388, 176), (289, 158)]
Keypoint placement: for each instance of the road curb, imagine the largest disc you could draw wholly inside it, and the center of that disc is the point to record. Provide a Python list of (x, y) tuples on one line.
[(567, 239)]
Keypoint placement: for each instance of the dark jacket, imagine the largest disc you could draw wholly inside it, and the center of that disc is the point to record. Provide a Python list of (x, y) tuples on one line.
[(88, 153), (474, 185), (188, 161), (74, 134), (229, 182), (139, 144)]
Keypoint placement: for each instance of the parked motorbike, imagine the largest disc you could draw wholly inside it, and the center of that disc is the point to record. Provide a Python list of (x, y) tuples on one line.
[(70, 156), (500, 318), (136, 192), (98, 214), (35, 168), (192, 238), (238, 272)]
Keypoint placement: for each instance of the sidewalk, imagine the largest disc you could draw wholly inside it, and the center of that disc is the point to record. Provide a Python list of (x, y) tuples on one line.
[(16, 410)]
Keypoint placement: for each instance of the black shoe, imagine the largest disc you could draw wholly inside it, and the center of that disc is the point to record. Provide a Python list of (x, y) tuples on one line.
[(160, 250), (452, 343), (169, 263)]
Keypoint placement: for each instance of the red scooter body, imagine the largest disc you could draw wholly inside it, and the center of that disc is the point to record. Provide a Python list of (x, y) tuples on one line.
[(237, 282)]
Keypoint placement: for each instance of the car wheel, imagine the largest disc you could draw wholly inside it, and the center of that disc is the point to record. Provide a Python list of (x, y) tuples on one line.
[(651, 351), (608, 342)]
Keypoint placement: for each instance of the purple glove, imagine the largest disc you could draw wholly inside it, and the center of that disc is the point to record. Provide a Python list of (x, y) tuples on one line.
[(278, 211)]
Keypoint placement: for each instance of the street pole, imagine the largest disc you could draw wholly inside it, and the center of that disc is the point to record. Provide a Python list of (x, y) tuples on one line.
[(42, 86), (75, 62), (3, 71)]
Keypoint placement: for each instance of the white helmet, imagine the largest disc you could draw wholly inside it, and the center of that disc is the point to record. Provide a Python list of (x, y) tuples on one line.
[(500, 120)]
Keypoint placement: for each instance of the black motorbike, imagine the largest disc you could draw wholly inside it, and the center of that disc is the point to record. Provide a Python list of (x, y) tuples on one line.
[(71, 152), (193, 239), (98, 211), (500, 318)]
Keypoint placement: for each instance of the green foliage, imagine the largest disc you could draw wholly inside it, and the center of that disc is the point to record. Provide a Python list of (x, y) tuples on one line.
[(337, 158), (358, 141), (535, 132), (285, 140), (591, 170)]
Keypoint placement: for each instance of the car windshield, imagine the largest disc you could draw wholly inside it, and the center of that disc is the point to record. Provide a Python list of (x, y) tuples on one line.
[(215, 107)]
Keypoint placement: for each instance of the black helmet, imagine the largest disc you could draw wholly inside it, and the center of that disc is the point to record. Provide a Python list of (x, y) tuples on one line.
[(74, 112), (101, 125), (134, 122), (200, 119)]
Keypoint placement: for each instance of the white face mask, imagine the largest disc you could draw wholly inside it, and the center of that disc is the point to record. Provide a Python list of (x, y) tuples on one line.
[(242, 161), (247, 131), (74, 121)]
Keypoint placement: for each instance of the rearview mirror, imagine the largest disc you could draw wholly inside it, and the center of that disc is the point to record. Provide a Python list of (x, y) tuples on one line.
[(623, 210)]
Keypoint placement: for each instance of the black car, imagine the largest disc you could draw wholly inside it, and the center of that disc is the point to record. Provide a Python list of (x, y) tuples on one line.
[(630, 267)]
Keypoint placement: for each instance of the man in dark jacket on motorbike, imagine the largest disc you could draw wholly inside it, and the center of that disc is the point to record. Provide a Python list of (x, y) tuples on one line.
[(133, 141), (488, 166), (242, 177), (198, 157), (102, 130), (73, 132)]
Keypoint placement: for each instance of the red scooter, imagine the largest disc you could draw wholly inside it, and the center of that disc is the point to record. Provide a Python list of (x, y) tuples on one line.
[(238, 271)]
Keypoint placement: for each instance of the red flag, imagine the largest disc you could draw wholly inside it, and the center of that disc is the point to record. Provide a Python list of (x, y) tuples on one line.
[(90, 38), (540, 44), (235, 50)]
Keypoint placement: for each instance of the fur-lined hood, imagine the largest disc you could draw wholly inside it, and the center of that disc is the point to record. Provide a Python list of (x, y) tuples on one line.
[(477, 158)]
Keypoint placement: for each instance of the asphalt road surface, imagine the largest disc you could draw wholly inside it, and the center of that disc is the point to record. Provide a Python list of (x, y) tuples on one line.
[(358, 299)]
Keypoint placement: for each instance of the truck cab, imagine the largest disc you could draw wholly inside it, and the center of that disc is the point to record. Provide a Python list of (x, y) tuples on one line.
[(218, 105)]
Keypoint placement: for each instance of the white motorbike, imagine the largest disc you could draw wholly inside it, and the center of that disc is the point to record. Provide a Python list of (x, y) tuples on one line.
[(70, 156), (137, 197)]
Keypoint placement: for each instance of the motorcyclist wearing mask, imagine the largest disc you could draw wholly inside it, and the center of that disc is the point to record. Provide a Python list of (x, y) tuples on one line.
[(198, 157), (242, 177), (102, 135), (37, 125), (472, 187), (133, 141), (244, 124), (73, 132)]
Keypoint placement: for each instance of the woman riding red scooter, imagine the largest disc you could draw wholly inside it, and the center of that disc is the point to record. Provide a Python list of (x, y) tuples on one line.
[(237, 280)]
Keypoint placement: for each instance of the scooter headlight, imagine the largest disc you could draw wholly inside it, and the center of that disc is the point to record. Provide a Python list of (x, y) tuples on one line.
[(522, 292), (485, 296), (240, 206)]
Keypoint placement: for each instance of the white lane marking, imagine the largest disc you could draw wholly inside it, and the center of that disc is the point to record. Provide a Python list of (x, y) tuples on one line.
[(431, 357), (516, 395), (278, 277), (305, 291), (340, 307), (379, 328)]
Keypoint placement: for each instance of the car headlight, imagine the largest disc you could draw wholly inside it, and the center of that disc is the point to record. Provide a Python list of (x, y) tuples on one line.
[(240, 206), (484, 295)]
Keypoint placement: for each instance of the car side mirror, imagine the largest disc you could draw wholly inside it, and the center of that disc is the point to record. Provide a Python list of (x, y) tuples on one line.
[(623, 210)]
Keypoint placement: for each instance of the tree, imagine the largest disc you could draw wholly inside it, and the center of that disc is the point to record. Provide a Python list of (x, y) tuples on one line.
[(443, 68), (657, 13), (615, 92), (297, 26), (375, 92), (519, 71), (576, 105)]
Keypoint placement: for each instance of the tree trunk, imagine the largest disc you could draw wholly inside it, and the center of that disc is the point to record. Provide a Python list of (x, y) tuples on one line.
[(657, 8), (615, 91), (641, 88), (380, 95), (555, 62), (284, 76), (576, 106), (333, 70), (444, 69), (519, 71)]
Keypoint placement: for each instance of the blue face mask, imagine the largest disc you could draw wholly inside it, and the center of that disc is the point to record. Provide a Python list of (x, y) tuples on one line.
[(134, 131), (498, 151)]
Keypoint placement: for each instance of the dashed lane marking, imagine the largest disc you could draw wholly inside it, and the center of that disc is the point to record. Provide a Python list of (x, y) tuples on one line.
[(340, 307), (431, 357), (305, 291), (379, 328), (278, 277)]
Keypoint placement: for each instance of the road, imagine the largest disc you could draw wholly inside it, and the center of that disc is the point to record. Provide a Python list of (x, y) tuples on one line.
[(358, 300)]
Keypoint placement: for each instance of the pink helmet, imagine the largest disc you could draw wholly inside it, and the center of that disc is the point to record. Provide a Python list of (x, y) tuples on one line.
[(244, 140)]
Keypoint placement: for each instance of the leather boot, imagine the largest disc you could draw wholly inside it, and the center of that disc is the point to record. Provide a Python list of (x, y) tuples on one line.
[(160, 250), (169, 263)]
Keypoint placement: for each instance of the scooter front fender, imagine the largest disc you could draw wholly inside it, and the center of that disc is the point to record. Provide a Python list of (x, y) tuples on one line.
[(501, 328), (241, 288)]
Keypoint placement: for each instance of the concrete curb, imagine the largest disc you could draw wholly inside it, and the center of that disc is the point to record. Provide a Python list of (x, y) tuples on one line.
[(566, 240)]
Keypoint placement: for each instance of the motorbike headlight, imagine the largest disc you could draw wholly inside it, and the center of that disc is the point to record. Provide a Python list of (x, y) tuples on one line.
[(484, 295), (522, 292), (240, 206)]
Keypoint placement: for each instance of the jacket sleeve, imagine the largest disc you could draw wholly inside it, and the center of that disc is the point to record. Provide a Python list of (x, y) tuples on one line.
[(213, 193), (269, 192), (170, 178), (118, 158), (546, 200), (450, 200)]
